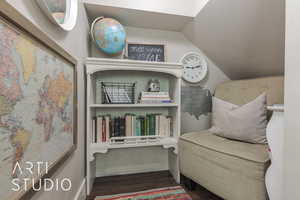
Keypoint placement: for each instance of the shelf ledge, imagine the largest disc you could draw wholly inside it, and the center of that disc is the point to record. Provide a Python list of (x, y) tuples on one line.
[(133, 105), (104, 147)]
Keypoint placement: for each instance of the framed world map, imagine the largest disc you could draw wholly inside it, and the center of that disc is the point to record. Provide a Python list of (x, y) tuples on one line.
[(37, 107)]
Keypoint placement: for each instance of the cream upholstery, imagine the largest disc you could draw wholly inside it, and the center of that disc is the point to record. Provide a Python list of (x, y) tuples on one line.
[(231, 169)]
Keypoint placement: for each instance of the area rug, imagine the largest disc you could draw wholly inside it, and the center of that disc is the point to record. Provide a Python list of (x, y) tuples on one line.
[(168, 193)]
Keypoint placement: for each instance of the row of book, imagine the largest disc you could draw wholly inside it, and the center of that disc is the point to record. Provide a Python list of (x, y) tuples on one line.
[(105, 127), (155, 97)]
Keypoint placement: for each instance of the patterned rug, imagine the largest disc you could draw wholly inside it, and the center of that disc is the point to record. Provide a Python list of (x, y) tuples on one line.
[(169, 193)]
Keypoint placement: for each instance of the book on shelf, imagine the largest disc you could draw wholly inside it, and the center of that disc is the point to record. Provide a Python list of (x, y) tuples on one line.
[(154, 94), (155, 97), (105, 127), (93, 138), (99, 129)]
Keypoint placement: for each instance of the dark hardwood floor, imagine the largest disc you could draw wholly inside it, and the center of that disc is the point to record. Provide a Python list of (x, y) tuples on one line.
[(145, 181)]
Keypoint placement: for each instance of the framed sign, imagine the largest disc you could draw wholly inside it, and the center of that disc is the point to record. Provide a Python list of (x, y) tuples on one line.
[(146, 52), (38, 110)]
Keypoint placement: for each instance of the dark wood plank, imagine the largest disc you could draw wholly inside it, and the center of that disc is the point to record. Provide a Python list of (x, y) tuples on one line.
[(143, 181)]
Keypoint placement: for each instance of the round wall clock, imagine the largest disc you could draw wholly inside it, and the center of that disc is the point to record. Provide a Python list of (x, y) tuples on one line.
[(194, 67), (61, 12)]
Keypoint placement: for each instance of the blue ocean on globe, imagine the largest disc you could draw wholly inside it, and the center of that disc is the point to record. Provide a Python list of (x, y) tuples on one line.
[(109, 35)]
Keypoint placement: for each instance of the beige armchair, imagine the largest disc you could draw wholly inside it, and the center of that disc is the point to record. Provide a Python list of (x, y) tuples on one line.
[(231, 169)]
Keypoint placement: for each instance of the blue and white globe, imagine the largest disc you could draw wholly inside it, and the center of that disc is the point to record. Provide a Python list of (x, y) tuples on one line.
[(109, 35)]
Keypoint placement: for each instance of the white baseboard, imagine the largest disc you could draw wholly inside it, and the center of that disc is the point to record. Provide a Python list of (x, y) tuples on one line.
[(81, 192)]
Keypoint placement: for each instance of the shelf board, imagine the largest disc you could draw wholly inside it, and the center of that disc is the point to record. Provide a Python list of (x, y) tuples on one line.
[(133, 105), (104, 147)]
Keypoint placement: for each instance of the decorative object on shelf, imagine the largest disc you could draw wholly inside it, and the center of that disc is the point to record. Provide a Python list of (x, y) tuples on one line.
[(108, 35), (61, 12), (38, 109), (117, 93), (146, 52), (195, 67), (154, 85), (275, 138), (196, 100)]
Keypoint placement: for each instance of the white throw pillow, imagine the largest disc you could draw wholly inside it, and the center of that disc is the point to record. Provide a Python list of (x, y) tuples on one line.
[(246, 123)]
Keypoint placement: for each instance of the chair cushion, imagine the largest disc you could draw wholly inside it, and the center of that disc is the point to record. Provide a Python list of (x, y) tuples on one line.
[(242, 150), (231, 169)]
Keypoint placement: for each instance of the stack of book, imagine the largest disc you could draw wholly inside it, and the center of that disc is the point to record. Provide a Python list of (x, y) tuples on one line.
[(106, 127), (155, 97)]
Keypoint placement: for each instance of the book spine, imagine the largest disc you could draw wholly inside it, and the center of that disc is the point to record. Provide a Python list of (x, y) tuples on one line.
[(143, 130), (138, 126), (99, 129), (116, 127), (93, 131), (103, 130), (148, 125), (133, 126), (128, 125), (169, 126), (155, 98), (111, 127), (157, 125), (107, 129), (154, 94), (122, 127), (152, 125), (164, 126), (155, 101)]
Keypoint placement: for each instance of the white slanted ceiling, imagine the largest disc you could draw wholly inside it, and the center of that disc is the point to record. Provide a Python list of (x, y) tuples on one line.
[(170, 15), (244, 38)]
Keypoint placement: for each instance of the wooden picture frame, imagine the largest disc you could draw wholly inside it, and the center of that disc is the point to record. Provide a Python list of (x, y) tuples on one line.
[(144, 55), (15, 21)]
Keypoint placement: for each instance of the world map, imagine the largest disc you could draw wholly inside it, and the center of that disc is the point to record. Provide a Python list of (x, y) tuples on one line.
[(36, 105)]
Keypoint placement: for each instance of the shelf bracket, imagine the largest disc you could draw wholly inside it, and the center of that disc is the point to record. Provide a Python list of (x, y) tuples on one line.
[(168, 146), (92, 153)]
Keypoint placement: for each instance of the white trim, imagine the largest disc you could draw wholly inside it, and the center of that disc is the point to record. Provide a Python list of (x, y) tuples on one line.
[(70, 17), (80, 191), (102, 64)]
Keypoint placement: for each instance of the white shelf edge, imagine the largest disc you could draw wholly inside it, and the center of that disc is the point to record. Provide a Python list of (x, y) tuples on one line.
[(104, 147), (136, 63), (133, 105)]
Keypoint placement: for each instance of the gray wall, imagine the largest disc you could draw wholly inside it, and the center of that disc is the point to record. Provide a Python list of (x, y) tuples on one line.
[(244, 38), (76, 43), (292, 99)]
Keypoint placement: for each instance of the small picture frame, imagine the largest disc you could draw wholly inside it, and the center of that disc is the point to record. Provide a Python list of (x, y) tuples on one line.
[(146, 52)]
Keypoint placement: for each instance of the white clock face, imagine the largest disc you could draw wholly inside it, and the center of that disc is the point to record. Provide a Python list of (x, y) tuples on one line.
[(194, 67)]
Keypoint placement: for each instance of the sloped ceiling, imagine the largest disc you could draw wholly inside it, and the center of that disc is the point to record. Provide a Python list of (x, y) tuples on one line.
[(189, 8), (244, 38)]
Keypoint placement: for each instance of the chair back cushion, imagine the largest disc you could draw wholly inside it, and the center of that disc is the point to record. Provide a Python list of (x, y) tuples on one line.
[(241, 92)]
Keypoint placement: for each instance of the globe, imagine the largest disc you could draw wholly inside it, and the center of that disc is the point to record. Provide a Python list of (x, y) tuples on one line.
[(108, 35)]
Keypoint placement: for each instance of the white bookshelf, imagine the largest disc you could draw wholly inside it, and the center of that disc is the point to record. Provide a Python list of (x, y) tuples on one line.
[(139, 71)]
